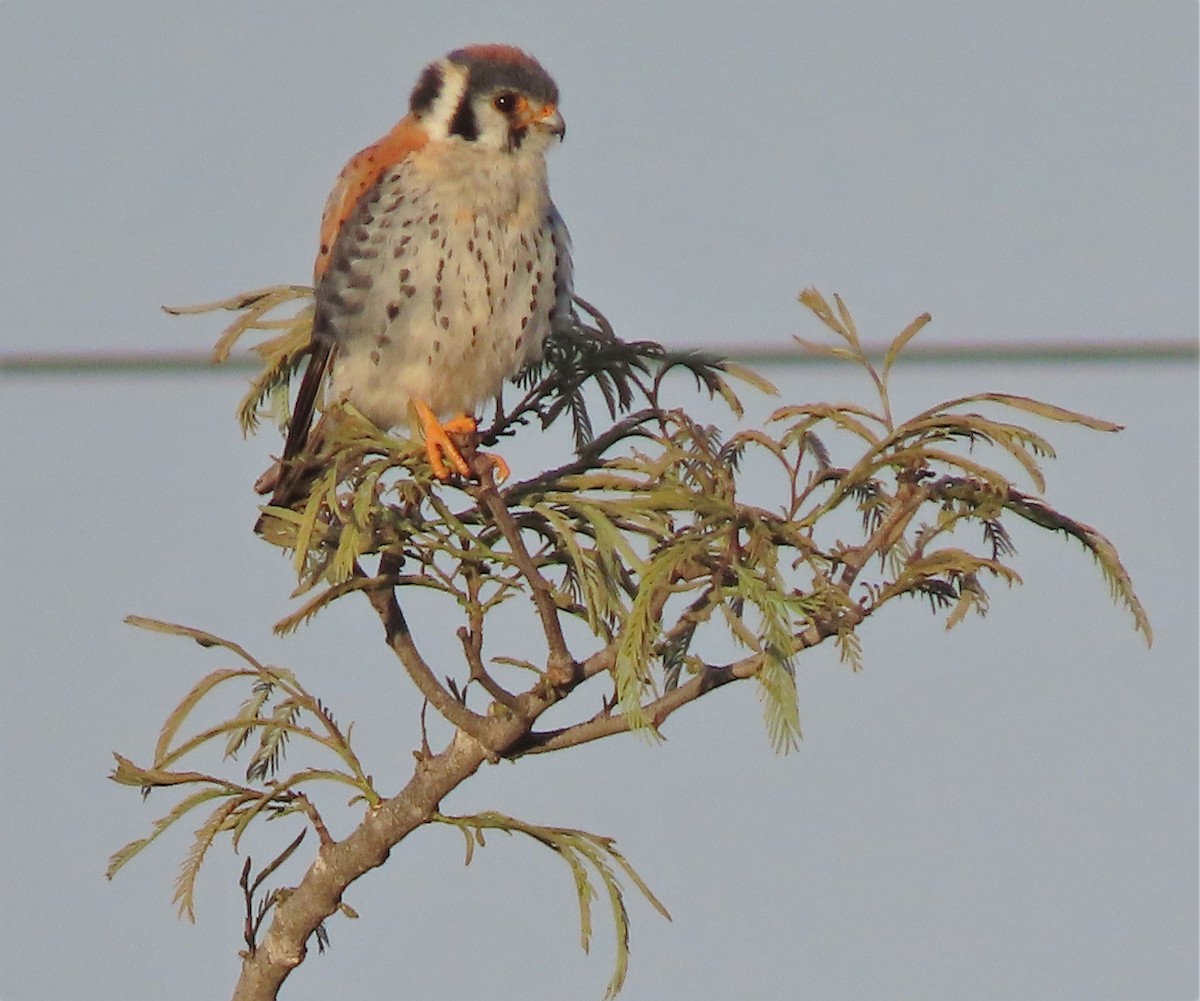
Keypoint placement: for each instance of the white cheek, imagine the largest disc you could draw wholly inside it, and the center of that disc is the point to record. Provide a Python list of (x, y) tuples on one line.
[(454, 84), (493, 128)]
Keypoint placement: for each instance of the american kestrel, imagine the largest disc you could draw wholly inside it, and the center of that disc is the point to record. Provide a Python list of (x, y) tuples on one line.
[(443, 263)]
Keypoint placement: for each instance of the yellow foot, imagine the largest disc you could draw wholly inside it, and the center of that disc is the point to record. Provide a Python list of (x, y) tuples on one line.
[(444, 452), (462, 424), (497, 465), (438, 445)]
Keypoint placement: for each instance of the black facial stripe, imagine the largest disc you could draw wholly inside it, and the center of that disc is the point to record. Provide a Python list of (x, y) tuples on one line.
[(464, 123), (427, 89)]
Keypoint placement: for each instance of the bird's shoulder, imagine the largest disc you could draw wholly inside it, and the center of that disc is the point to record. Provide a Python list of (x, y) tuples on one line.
[(361, 173)]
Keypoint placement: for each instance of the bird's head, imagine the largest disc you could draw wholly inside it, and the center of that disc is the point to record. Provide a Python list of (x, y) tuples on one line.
[(493, 96)]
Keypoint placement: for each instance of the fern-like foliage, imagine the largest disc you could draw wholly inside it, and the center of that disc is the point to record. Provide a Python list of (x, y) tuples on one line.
[(691, 556), (277, 709), (581, 852)]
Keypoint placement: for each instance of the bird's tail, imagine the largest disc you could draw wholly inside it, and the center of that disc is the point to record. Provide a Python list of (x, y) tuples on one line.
[(288, 476)]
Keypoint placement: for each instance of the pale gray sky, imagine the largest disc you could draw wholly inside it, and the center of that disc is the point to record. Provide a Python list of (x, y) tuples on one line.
[(1006, 811)]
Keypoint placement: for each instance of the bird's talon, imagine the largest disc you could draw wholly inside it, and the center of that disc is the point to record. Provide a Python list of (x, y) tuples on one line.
[(439, 447), (497, 465), (439, 451), (444, 451)]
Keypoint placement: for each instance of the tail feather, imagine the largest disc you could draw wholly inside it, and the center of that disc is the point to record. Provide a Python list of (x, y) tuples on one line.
[(306, 399), (286, 478)]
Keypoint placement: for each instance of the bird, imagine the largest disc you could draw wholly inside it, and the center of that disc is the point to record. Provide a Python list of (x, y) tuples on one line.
[(442, 262)]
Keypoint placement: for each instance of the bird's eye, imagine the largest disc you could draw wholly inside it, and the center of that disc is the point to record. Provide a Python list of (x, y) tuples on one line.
[(505, 102)]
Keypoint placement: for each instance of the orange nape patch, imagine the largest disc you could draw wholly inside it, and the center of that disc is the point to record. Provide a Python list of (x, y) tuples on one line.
[(359, 175)]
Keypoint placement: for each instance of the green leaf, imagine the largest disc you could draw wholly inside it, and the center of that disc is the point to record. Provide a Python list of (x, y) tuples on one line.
[(844, 415), (578, 849), (747, 375), (828, 350), (181, 809), (1119, 583), (1048, 410), (849, 648), (901, 341), (970, 596), (781, 709), (185, 882), (249, 711), (181, 712), (641, 630), (290, 623), (776, 673), (205, 639)]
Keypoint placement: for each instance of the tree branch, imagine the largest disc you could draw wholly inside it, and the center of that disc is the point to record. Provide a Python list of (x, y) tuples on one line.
[(606, 725), (471, 637), (587, 460), (908, 500), (300, 911), (560, 665), (338, 864), (709, 679), (399, 638)]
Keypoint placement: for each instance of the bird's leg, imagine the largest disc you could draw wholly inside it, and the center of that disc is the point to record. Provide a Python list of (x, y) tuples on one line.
[(442, 449), (462, 424)]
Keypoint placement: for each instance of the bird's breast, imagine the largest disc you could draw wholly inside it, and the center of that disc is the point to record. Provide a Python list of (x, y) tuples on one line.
[(440, 287)]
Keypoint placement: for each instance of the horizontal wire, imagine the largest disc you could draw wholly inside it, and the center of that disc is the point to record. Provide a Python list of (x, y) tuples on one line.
[(68, 363)]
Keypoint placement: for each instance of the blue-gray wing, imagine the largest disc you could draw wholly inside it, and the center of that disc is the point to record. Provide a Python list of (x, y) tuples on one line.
[(562, 316)]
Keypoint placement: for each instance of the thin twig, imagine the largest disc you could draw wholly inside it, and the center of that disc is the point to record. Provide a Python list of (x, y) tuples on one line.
[(399, 638), (249, 928), (587, 460), (604, 724), (314, 817), (908, 500), (471, 637), (560, 665)]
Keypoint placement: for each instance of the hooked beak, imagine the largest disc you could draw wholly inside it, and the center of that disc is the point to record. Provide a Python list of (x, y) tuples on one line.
[(548, 119)]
